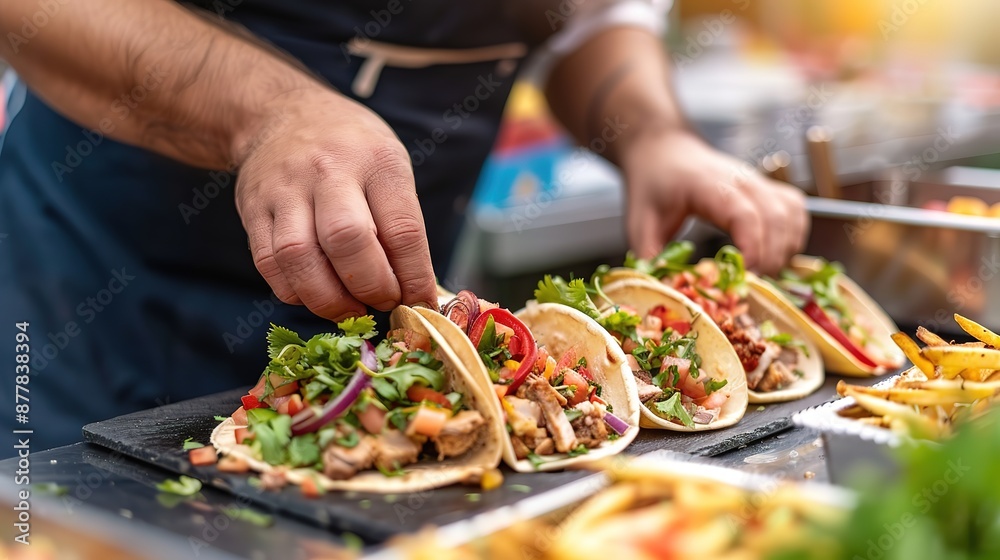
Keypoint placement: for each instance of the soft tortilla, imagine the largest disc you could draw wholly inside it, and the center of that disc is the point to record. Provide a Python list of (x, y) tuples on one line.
[(810, 362), (558, 328), (717, 355), (423, 475), (835, 356)]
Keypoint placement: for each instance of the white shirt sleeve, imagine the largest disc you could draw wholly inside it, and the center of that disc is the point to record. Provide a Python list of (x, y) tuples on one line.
[(589, 19)]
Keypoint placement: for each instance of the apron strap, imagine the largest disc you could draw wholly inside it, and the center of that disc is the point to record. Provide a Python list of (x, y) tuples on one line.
[(379, 55)]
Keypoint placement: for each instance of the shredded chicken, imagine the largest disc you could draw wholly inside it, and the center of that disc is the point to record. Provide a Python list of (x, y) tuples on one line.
[(754, 377), (393, 449), (590, 429), (644, 382), (523, 415), (459, 434), (777, 377), (340, 463), (551, 403)]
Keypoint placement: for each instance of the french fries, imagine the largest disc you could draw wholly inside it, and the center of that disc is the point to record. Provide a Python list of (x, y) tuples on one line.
[(978, 331), (950, 383)]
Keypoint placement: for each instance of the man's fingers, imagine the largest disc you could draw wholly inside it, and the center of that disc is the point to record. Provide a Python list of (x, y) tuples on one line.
[(258, 227), (394, 207), (738, 214), (306, 267), (347, 235), (645, 223)]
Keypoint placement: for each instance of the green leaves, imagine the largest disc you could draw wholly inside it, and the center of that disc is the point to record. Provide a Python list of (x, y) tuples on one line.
[(363, 327), (303, 451), (674, 258), (732, 272), (713, 385), (621, 322), (392, 383), (279, 337), (272, 433), (184, 486), (673, 409), (553, 289)]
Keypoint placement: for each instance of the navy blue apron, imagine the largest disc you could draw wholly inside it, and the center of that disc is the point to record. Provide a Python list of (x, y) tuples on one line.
[(133, 271)]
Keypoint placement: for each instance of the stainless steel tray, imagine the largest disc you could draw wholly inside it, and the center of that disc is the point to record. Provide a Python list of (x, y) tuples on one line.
[(921, 265)]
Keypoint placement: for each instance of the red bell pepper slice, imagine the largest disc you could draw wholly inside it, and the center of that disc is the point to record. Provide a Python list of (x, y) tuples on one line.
[(250, 402), (819, 316), (525, 340)]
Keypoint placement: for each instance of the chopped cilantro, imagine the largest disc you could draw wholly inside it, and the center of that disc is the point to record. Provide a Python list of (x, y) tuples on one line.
[(578, 450), (573, 413), (303, 451), (473, 497), (522, 488), (190, 444), (248, 515), (220, 418), (397, 470), (183, 486)]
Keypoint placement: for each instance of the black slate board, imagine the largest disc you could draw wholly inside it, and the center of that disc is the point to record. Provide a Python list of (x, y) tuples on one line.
[(156, 436)]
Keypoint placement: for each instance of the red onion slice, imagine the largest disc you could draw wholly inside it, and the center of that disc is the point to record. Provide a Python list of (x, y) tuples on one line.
[(616, 423), (463, 309), (307, 421)]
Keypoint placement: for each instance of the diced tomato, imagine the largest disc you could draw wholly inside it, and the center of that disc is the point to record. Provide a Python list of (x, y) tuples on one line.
[(500, 390), (542, 362), (412, 339), (309, 487), (243, 434), (203, 456), (715, 400), (372, 419), (507, 333), (233, 464), (282, 386), (568, 359), (295, 404), (571, 377), (240, 416), (683, 366), (427, 421), (652, 322), (280, 404), (514, 347), (506, 373), (250, 402), (633, 364), (286, 389), (258, 389), (681, 327), (419, 393), (688, 385), (394, 359), (628, 345), (585, 373)]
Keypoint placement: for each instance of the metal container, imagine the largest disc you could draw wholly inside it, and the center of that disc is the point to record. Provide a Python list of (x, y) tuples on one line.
[(921, 265)]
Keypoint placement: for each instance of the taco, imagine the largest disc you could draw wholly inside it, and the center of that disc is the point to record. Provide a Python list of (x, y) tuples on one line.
[(687, 375), (339, 413), (781, 363), (563, 385), (851, 331)]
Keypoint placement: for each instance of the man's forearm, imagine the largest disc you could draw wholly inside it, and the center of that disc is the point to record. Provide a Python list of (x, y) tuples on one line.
[(616, 85), (152, 74)]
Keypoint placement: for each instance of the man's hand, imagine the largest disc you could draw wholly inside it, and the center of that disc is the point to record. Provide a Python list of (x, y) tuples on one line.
[(673, 174), (329, 205)]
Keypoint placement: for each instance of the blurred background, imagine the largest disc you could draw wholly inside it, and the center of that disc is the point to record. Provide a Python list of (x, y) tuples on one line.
[(901, 99)]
